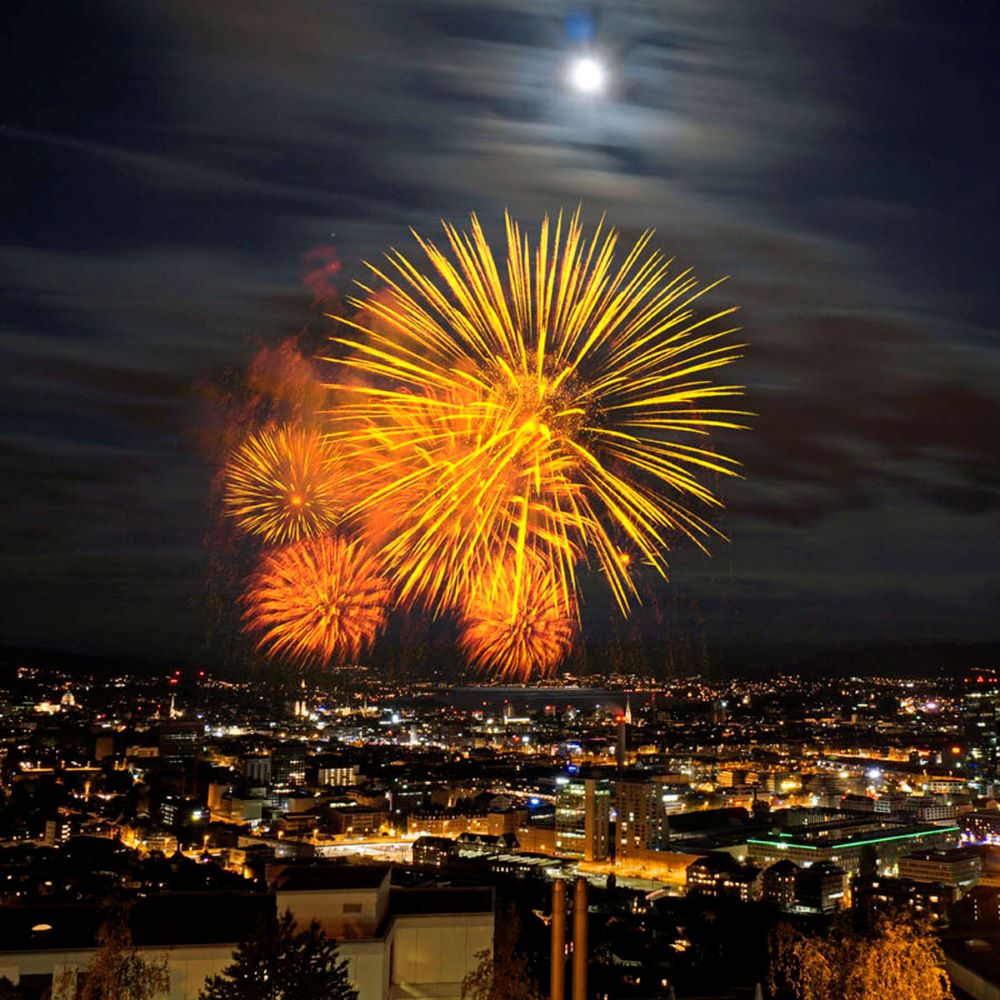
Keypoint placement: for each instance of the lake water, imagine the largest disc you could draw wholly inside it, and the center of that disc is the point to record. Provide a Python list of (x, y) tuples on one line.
[(535, 699)]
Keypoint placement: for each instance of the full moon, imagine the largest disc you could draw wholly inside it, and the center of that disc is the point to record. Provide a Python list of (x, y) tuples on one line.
[(587, 75)]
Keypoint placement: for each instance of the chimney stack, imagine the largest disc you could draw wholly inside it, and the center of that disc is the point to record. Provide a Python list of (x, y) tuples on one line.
[(557, 976), (580, 940)]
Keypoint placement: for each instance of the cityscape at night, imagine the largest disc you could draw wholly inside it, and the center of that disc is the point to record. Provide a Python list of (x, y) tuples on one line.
[(500, 500), (700, 812)]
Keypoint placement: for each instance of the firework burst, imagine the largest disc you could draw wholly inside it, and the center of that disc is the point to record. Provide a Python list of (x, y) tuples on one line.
[(318, 601), (281, 484), (518, 627), (554, 405)]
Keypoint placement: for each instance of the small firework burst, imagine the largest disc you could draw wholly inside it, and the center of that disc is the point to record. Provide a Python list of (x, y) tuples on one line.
[(281, 484), (317, 602), (519, 623)]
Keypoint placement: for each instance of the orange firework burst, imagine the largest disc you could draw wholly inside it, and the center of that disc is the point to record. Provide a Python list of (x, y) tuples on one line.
[(552, 404), (321, 600), (518, 630), (280, 484)]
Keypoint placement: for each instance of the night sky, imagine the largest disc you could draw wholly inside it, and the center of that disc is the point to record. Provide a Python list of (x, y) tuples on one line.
[(166, 166)]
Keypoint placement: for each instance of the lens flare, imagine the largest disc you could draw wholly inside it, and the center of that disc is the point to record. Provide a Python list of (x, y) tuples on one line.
[(281, 484), (319, 601), (518, 629), (553, 404)]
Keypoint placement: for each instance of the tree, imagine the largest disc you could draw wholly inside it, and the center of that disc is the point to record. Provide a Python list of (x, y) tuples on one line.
[(279, 963), (503, 974), (117, 970), (901, 959)]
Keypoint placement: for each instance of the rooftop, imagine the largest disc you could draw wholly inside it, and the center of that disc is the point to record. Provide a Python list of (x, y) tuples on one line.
[(330, 876), (838, 836), (160, 920)]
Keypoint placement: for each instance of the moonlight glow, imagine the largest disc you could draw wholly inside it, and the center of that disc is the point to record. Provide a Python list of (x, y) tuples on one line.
[(587, 75)]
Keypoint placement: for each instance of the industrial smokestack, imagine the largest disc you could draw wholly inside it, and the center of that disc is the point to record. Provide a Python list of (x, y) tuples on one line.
[(580, 940), (557, 977)]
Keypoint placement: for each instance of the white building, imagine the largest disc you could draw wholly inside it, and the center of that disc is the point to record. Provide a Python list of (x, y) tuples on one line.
[(399, 943)]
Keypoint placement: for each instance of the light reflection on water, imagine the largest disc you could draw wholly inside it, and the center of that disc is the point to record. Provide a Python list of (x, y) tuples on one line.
[(536, 698)]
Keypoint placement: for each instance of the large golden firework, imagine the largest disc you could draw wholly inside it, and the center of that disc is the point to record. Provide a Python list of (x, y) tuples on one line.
[(281, 484), (550, 404), (318, 601), (518, 627)]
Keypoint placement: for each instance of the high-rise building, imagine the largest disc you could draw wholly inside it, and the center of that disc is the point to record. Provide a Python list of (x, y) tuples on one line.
[(981, 724), (257, 769), (57, 831), (180, 741), (288, 765), (642, 816), (338, 773), (621, 740), (583, 810)]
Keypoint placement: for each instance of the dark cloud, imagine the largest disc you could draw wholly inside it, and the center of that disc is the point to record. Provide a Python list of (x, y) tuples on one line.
[(167, 166)]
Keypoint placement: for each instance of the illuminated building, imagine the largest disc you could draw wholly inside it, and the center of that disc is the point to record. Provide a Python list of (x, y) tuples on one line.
[(735, 777), (983, 825), (445, 822), (983, 903), (583, 808), (338, 774), (355, 820), (980, 724), (842, 841), (288, 765), (642, 817), (57, 831), (434, 852), (621, 740), (778, 883), (928, 899), (180, 741), (722, 875), (821, 887), (960, 868), (537, 838)]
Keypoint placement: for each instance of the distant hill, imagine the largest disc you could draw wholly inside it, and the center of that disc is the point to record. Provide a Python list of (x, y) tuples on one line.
[(84, 663), (898, 659), (650, 659)]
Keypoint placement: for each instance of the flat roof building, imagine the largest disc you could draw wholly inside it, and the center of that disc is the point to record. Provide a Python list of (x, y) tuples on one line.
[(397, 942), (960, 867), (843, 841)]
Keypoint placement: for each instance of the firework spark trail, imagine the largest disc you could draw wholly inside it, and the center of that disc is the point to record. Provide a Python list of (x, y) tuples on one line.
[(518, 630), (319, 601), (282, 484), (549, 405)]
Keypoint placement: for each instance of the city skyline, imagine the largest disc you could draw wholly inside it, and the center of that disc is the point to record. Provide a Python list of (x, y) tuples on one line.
[(694, 819)]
